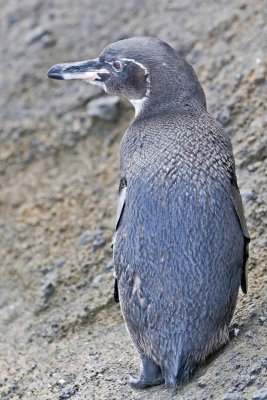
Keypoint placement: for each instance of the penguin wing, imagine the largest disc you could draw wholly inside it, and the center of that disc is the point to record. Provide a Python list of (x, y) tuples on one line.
[(119, 210), (120, 201), (238, 206)]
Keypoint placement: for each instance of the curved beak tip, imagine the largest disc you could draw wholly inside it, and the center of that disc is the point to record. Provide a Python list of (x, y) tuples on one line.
[(55, 73)]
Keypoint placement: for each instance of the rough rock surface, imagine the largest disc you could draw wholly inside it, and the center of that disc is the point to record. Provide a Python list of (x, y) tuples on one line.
[(61, 335)]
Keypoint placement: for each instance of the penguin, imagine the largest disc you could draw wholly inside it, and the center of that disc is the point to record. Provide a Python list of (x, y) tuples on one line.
[(181, 240)]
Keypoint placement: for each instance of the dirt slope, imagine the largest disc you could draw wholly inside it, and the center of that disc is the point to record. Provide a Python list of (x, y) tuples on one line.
[(61, 335)]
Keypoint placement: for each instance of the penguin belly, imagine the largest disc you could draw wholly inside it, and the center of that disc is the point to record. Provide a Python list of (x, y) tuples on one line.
[(178, 258)]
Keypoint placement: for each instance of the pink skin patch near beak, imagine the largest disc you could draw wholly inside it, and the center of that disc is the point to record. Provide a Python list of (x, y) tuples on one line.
[(87, 76)]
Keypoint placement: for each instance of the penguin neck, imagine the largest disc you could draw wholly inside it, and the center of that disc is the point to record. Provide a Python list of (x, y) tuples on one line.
[(169, 92), (154, 104)]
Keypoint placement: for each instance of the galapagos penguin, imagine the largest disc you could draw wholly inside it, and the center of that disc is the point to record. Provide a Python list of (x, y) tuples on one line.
[(181, 241)]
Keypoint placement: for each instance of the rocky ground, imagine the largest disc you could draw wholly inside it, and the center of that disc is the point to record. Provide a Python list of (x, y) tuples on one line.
[(61, 334)]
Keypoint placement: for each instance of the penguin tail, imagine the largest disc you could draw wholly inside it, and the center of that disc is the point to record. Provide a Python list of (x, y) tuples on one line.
[(185, 372), (176, 375)]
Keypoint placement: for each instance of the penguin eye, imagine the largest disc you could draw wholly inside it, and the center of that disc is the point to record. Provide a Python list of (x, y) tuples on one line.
[(117, 65)]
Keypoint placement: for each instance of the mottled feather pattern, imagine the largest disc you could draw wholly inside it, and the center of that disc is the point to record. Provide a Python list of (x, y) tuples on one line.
[(163, 263)]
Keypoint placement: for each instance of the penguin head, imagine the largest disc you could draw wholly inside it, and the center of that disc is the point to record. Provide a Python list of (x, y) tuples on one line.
[(145, 70)]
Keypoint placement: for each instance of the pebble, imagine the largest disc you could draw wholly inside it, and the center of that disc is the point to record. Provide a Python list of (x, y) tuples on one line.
[(67, 395), (109, 265), (258, 77), (202, 382), (98, 241), (47, 269), (250, 381), (97, 281), (96, 238), (262, 320), (255, 370), (85, 267), (224, 116), (231, 396), (60, 262), (236, 331), (247, 195), (48, 41), (36, 34), (105, 108), (84, 239), (264, 363), (48, 290), (260, 394)]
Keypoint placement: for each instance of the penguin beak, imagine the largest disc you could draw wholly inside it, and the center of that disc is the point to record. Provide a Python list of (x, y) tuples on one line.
[(90, 70)]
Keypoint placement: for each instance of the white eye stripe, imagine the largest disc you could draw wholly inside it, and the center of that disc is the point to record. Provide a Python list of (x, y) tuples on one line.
[(138, 103), (137, 63), (131, 60)]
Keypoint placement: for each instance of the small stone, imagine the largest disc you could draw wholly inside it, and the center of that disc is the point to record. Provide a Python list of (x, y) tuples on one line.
[(105, 108), (258, 77), (239, 78), (48, 289), (264, 362), (256, 369), (236, 331), (109, 266), (260, 394), (248, 195), (98, 241), (231, 396), (250, 381), (202, 382), (262, 320), (224, 116), (36, 34), (85, 267), (13, 19), (47, 269), (60, 262), (97, 281), (249, 335), (252, 315), (71, 392), (251, 168), (48, 41), (84, 239)]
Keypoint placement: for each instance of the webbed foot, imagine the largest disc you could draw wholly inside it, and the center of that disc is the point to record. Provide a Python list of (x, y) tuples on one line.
[(150, 375)]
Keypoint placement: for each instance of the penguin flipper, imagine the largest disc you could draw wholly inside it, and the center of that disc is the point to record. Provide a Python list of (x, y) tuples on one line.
[(119, 210), (238, 206), (120, 201), (116, 291)]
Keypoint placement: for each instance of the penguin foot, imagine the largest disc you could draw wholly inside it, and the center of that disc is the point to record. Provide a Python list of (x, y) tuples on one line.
[(140, 382), (150, 375)]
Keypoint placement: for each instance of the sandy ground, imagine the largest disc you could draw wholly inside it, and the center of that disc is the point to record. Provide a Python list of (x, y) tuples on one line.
[(61, 334)]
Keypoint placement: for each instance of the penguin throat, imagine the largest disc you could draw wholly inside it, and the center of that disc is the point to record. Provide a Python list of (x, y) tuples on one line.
[(98, 83), (138, 104)]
